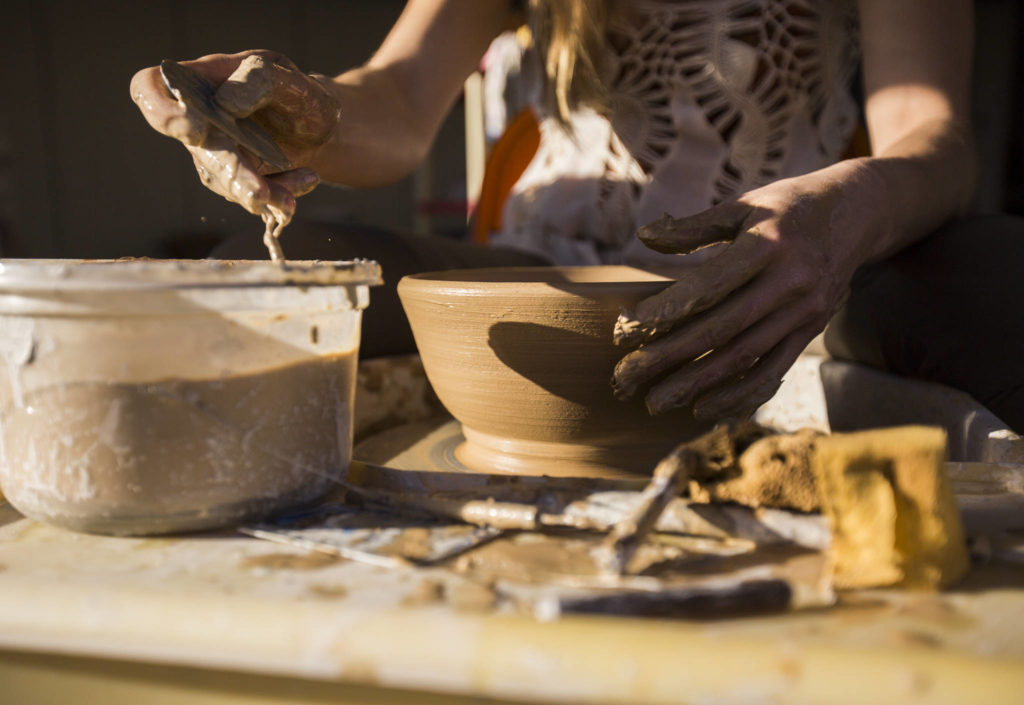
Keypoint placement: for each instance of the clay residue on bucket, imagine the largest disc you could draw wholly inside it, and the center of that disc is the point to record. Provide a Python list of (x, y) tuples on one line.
[(179, 454)]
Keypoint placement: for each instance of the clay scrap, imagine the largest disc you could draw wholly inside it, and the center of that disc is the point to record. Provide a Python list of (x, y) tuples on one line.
[(749, 465)]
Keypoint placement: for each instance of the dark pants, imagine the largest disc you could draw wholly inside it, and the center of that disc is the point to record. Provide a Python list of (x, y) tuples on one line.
[(949, 309)]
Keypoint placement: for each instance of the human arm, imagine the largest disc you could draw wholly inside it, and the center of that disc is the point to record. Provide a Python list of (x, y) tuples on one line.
[(722, 338), (368, 126)]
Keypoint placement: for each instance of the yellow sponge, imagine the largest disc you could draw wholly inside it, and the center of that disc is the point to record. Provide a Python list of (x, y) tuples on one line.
[(894, 518)]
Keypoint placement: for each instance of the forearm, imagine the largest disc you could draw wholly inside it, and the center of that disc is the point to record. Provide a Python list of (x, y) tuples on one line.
[(907, 190), (392, 108), (917, 67), (379, 138)]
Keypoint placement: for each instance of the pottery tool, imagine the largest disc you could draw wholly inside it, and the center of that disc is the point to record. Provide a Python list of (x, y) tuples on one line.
[(667, 482), (536, 504), (538, 545), (373, 537), (553, 573), (714, 454), (714, 598), (193, 90)]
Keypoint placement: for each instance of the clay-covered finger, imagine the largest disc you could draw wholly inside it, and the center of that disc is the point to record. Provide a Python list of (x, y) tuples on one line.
[(708, 331), (703, 287), (282, 200), (298, 182), (759, 384), (163, 111), (225, 170), (233, 174), (682, 235), (725, 362)]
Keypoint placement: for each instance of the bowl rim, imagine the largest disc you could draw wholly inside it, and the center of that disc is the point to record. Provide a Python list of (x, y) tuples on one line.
[(542, 278)]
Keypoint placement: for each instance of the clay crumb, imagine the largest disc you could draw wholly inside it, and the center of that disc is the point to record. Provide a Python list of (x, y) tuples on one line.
[(332, 592), (791, 668), (313, 560), (471, 596), (360, 671), (915, 637), (428, 591), (147, 544), (916, 681), (413, 544), (934, 609)]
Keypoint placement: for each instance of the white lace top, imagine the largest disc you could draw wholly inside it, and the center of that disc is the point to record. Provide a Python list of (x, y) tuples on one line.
[(709, 99)]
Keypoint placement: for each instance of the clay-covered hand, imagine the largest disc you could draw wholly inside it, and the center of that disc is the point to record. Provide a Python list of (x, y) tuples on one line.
[(298, 110), (721, 338)]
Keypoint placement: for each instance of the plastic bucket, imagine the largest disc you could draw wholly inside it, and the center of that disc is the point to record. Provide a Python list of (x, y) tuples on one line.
[(156, 396)]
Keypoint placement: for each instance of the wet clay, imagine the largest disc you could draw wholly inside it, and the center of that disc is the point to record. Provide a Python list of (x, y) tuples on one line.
[(463, 594), (413, 544), (559, 558), (179, 454), (532, 558), (313, 560), (428, 591), (275, 220), (328, 592), (471, 596)]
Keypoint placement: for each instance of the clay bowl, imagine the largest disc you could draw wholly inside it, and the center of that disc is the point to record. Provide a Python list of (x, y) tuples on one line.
[(523, 358)]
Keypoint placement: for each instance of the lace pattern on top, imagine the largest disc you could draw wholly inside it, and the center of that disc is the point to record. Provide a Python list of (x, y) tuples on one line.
[(709, 99)]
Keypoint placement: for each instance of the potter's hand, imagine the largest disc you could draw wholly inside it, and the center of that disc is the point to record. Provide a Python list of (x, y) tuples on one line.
[(298, 111), (722, 337)]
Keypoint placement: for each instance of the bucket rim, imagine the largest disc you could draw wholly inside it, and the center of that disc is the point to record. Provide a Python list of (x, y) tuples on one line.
[(27, 275)]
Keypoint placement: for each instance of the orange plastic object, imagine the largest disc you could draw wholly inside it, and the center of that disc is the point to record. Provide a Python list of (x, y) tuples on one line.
[(509, 157)]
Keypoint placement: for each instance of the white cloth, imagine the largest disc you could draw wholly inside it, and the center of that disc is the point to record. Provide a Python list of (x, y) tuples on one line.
[(709, 99)]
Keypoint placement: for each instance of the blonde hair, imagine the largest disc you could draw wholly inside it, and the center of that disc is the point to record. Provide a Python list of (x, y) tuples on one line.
[(569, 35)]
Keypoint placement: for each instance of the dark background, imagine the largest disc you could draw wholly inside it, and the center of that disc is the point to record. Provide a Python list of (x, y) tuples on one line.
[(82, 175)]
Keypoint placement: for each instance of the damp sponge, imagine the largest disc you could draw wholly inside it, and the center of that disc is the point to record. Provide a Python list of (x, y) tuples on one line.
[(894, 518)]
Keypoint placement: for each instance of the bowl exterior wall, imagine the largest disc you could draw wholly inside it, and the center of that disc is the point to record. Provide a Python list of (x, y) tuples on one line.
[(534, 363)]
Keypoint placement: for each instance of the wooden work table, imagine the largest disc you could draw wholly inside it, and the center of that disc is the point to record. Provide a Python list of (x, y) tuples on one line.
[(226, 618)]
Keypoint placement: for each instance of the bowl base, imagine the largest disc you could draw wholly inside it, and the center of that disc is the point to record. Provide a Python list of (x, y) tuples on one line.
[(493, 454)]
